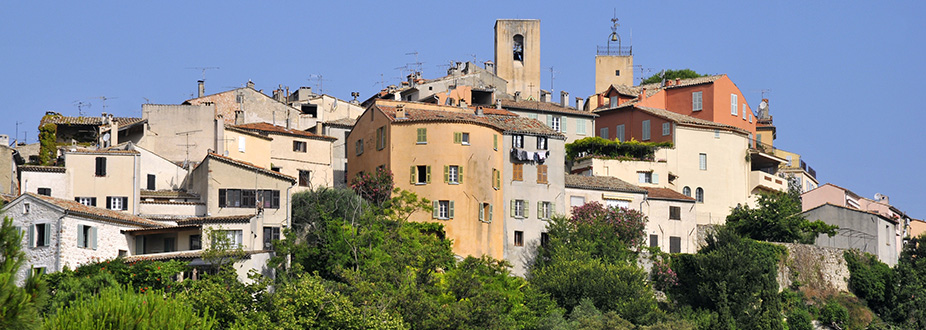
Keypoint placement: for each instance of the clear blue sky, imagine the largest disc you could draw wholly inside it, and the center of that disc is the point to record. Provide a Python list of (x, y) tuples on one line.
[(845, 80)]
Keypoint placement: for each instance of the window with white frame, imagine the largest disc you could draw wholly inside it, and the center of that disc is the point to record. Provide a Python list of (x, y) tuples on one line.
[(544, 210), (666, 128), (716, 133), (686, 191), (227, 239), (745, 111), (40, 235), (117, 203), (453, 174), (519, 208), (88, 201), (555, 122), (576, 201), (464, 138), (613, 101), (699, 195), (541, 143), (517, 141), (696, 101), (647, 177), (646, 130), (485, 212), (702, 162), (443, 209), (617, 203), (299, 146), (733, 104)]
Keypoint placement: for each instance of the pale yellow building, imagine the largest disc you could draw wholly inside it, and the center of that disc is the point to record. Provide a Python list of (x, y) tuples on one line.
[(248, 146), (300, 154)]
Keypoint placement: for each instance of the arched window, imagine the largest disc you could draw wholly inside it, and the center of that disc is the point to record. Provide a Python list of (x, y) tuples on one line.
[(686, 191), (518, 47), (699, 195)]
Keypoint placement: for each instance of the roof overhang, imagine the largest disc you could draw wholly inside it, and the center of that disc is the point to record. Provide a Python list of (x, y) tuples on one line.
[(762, 159)]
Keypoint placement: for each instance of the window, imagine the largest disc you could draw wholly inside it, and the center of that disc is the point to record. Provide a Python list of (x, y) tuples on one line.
[(443, 209), (86, 237), (249, 198), (485, 212), (696, 101), (603, 133), (40, 235), (576, 201), (675, 244), (170, 244), (27, 207), (648, 177), (744, 111), (580, 126), (517, 141), (101, 166), (702, 162), (518, 47), (699, 195), (532, 115), (518, 208), (421, 174), (231, 239), (464, 138), (758, 137), (517, 172), (789, 160), (299, 146), (750, 118), (518, 238), (613, 101), (37, 271), (453, 174), (619, 133), (270, 234), (733, 104), (89, 201), (545, 210), (305, 178), (358, 147), (646, 130), (666, 128), (422, 136), (617, 72), (496, 179), (544, 239), (541, 173), (45, 191), (554, 122), (716, 133), (381, 138), (151, 181), (196, 242), (495, 141), (542, 143), (686, 191), (117, 203), (240, 144), (653, 240), (675, 213)]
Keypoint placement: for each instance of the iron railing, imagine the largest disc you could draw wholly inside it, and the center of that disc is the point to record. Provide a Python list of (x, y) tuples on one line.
[(615, 50)]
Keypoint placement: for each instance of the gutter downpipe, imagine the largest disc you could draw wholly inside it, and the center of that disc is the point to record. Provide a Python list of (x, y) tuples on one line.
[(135, 195), (58, 245), (289, 220)]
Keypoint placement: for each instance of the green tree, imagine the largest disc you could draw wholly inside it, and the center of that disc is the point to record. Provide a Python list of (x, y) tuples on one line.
[(833, 314), (777, 219), (799, 319), (909, 309), (18, 308), (671, 75), (123, 308)]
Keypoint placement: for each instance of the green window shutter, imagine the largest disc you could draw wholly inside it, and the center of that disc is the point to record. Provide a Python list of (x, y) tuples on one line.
[(512, 208), (93, 236), (479, 211), (527, 209), (552, 209), (539, 210), (549, 120), (80, 236), (436, 212), (460, 175), (413, 179), (490, 213), (47, 238), (446, 174), (457, 137), (495, 141), (32, 235), (429, 174), (655, 178), (562, 124), (424, 134), (450, 210)]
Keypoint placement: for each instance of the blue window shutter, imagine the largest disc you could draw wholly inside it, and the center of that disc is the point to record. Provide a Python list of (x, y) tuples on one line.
[(93, 236), (47, 238)]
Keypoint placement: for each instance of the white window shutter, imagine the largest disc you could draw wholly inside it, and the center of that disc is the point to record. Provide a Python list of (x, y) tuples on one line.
[(490, 213), (539, 210), (80, 236), (562, 124), (93, 236), (480, 212), (655, 178), (240, 144)]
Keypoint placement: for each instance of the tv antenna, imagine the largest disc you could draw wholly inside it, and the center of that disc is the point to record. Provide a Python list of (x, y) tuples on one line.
[(104, 98), (643, 71), (319, 82), (187, 145), (204, 68), (17, 130), (552, 78), (417, 63), (80, 107), (381, 82)]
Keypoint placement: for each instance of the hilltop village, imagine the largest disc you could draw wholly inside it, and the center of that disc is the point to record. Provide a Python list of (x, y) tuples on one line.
[(497, 158)]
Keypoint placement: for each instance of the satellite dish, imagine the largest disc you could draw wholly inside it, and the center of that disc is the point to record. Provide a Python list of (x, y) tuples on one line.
[(878, 196), (763, 105), (106, 137)]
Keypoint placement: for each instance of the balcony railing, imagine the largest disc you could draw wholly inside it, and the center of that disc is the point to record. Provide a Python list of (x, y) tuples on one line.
[(615, 50)]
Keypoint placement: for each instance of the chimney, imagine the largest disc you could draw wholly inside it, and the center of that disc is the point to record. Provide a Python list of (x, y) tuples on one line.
[(490, 66), (668, 83), (580, 103), (517, 96), (462, 103), (479, 111), (202, 88), (678, 81), (239, 117), (498, 104), (545, 96), (250, 84), (4, 139), (564, 99), (400, 111), (642, 94), (355, 95), (278, 94)]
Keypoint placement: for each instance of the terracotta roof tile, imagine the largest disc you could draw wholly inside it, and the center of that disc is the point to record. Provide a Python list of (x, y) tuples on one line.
[(37, 168), (666, 193), (273, 129), (248, 132), (601, 183), (343, 122), (178, 255), (64, 120), (419, 112), (249, 166), (545, 107), (76, 208), (675, 117)]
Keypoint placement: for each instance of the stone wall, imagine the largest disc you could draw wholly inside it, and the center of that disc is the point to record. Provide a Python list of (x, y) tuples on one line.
[(818, 270)]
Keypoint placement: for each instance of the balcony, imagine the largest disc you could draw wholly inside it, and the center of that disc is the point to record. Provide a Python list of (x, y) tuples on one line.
[(759, 180)]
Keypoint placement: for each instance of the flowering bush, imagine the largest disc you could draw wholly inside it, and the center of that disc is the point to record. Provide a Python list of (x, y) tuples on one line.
[(626, 225), (376, 187), (662, 276)]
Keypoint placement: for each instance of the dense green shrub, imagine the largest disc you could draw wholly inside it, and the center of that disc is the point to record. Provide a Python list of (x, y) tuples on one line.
[(601, 147), (123, 308), (834, 314), (799, 319), (778, 218)]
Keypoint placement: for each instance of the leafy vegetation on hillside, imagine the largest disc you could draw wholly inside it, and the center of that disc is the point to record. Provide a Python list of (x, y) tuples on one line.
[(601, 147), (778, 218), (671, 75)]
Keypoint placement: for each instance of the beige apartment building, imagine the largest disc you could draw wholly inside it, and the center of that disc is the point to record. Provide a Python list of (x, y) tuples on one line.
[(300, 154)]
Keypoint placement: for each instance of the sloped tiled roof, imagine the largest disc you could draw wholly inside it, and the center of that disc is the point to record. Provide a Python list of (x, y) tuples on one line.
[(666, 193), (273, 129), (38, 168), (212, 220), (167, 194), (248, 132), (179, 255), (513, 124), (343, 122), (249, 166), (677, 117), (601, 183), (73, 207), (545, 107), (64, 120)]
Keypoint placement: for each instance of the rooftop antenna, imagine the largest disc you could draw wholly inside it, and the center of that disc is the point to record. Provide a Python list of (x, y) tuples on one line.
[(552, 78), (417, 63), (80, 107), (643, 72), (104, 98), (204, 68), (17, 130), (474, 57), (381, 82), (187, 145), (319, 82)]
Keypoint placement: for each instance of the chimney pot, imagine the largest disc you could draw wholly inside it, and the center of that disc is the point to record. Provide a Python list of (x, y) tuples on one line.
[(517, 96), (400, 111), (202, 88), (642, 94), (564, 99), (580, 103), (678, 81)]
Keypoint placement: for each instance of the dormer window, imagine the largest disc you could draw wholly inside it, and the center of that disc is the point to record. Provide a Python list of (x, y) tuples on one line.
[(518, 47)]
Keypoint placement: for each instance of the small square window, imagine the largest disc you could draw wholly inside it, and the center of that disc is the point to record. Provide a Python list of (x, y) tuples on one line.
[(675, 213), (45, 191), (518, 238), (299, 146), (464, 139), (305, 178), (653, 240), (517, 141), (617, 72)]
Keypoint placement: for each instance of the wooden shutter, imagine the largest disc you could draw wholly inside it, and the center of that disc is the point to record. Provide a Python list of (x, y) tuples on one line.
[(109, 202), (495, 141), (436, 212), (221, 197), (450, 210), (151, 180), (446, 174), (490, 213), (429, 173), (539, 210), (413, 178), (562, 123), (480, 211), (125, 203), (511, 210), (460, 174), (457, 137), (93, 237), (46, 239), (32, 236), (526, 208), (552, 209)]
